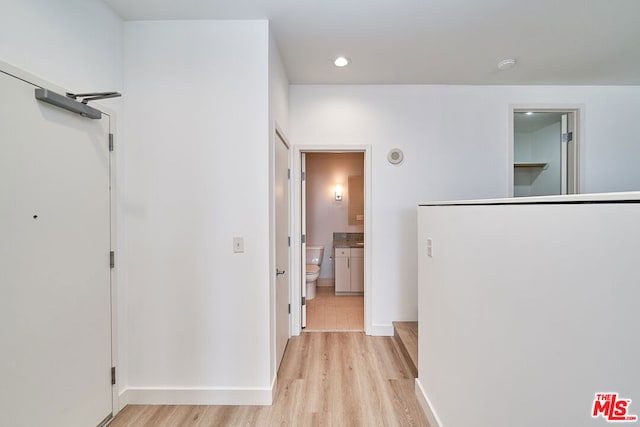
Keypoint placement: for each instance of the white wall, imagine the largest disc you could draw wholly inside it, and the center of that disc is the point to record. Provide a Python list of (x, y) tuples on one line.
[(522, 152), (527, 311), (197, 126), (325, 215), (278, 87), (456, 145), (76, 44)]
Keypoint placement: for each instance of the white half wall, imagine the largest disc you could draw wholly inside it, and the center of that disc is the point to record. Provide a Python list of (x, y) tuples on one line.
[(526, 311), (197, 171), (456, 145)]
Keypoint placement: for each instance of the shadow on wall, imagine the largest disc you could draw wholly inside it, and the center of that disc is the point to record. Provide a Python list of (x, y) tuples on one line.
[(405, 249)]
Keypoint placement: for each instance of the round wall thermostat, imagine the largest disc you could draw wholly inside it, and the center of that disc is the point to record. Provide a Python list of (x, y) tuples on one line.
[(395, 156)]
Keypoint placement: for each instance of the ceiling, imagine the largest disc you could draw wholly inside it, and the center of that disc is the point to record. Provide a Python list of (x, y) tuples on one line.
[(435, 41)]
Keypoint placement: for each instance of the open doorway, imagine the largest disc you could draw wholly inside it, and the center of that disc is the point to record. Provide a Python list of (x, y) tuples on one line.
[(333, 225), (544, 152)]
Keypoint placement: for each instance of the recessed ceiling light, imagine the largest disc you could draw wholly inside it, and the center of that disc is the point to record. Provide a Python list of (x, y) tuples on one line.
[(341, 61), (506, 64)]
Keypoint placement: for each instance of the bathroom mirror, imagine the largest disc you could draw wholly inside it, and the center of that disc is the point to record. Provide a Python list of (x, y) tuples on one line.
[(356, 200)]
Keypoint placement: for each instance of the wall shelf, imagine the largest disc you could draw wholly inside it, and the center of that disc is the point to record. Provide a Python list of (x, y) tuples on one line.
[(529, 165)]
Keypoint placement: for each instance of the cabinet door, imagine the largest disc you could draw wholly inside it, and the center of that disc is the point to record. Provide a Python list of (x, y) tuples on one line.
[(357, 274), (343, 278)]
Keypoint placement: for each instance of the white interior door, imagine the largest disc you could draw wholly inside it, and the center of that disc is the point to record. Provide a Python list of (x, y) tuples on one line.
[(564, 154), (282, 246), (572, 153), (55, 312), (303, 246)]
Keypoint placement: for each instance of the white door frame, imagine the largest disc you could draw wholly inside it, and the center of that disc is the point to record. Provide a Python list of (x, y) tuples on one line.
[(302, 276), (296, 238), (115, 241), (577, 109)]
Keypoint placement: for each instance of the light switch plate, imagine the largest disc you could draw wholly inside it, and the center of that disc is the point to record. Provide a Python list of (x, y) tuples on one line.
[(238, 245)]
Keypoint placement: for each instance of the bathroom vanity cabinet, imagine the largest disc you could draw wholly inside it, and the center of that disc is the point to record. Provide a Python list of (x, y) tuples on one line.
[(349, 264)]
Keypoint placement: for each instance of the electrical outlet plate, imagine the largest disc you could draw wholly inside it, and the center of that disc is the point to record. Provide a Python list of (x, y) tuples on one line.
[(430, 247), (238, 245)]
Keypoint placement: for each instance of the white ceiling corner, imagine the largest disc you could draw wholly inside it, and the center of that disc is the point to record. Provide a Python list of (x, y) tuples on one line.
[(568, 42)]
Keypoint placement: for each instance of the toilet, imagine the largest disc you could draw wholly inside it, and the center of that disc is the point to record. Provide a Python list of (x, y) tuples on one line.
[(314, 259)]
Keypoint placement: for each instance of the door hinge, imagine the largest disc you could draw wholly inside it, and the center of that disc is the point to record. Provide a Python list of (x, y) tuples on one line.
[(567, 137), (112, 259), (304, 176), (113, 375), (288, 173), (289, 241), (289, 308), (304, 300), (304, 238), (110, 142)]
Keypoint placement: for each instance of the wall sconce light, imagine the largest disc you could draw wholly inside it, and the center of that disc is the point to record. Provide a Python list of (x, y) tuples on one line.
[(338, 192)]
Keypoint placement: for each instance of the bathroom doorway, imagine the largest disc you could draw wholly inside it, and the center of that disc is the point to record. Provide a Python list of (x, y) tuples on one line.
[(333, 225)]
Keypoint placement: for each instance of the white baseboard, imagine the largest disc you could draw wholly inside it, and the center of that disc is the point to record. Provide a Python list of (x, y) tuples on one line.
[(196, 396), (426, 405), (122, 402), (381, 330)]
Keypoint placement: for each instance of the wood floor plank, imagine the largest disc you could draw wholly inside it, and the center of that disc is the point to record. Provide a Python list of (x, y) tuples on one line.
[(390, 359), (326, 379), (317, 372)]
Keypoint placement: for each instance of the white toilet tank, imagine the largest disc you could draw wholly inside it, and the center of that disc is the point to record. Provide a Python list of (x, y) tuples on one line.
[(315, 254)]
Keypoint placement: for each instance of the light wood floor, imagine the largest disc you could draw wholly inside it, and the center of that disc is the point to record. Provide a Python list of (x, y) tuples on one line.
[(328, 312), (326, 379)]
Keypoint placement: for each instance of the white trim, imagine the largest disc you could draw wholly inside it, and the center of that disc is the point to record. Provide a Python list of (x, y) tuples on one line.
[(302, 274), (426, 406), (123, 400), (296, 267), (113, 273), (381, 330), (28, 77), (558, 199), (197, 396)]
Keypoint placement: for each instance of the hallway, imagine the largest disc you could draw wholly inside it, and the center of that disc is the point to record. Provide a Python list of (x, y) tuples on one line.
[(326, 379)]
